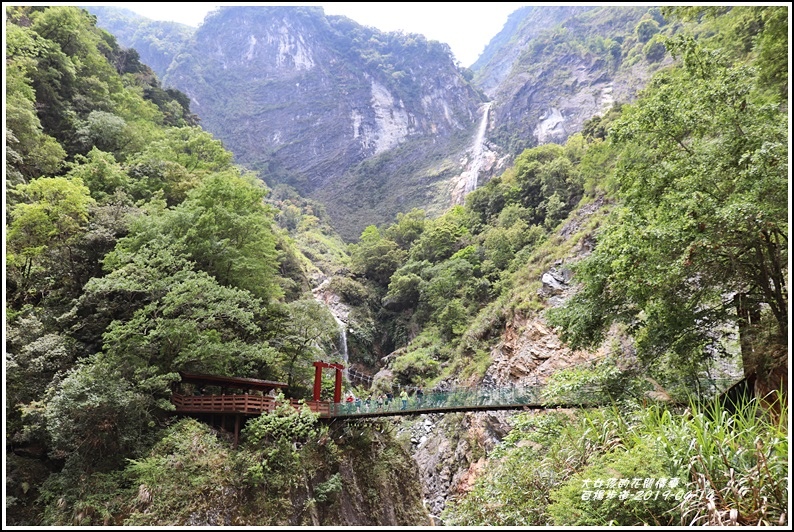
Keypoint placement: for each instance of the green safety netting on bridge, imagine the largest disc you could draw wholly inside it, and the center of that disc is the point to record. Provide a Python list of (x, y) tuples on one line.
[(483, 398)]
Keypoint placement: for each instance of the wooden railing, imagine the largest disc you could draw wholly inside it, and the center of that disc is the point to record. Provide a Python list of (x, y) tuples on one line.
[(239, 404)]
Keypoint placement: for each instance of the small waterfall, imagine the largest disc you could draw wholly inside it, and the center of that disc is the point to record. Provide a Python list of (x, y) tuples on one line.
[(343, 338), (340, 313), (477, 151)]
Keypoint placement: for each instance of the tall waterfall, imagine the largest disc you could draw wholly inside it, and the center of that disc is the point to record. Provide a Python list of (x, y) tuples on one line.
[(477, 152)]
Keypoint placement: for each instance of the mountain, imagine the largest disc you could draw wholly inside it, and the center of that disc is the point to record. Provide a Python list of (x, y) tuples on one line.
[(372, 124), (561, 66), (357, 118), (523, 25), (156, 41)]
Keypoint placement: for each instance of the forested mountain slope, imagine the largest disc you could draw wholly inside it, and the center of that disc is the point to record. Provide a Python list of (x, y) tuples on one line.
[(136, 250), (158, 42)]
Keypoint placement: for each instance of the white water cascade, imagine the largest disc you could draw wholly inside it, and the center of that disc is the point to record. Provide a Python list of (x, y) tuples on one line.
[(477, 152), (340, 312), (343, 338)]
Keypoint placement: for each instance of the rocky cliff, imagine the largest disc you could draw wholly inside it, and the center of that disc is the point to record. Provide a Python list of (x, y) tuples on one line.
[(371, 123), (342, 112), (451, 450), (563, 66)]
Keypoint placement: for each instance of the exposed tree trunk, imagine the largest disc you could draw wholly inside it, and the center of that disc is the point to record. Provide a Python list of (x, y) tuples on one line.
[(766, 363), (748, 314)]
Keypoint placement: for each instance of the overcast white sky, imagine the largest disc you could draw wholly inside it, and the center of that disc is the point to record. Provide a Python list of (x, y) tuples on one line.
[(466, 27)]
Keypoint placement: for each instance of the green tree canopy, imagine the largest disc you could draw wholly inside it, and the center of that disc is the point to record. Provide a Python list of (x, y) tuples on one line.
[(700, 237), (225, 228)]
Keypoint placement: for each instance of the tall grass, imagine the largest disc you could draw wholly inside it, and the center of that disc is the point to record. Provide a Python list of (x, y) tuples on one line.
[(738, 466), (732, 465)]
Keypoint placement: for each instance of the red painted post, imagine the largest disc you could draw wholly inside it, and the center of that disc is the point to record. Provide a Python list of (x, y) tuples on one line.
[(338, 386), (318, 377)]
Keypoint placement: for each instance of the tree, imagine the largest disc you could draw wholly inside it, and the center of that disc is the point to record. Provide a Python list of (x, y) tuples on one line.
[(654, 50), (96, 417), (225, 228), (376, 257), (105, 131), (100, 172), (30, 151), (308, 328), (700, 237), (442, 237), (46, 223), (646, 29), (192, 147), (407, 229), (191, 324)]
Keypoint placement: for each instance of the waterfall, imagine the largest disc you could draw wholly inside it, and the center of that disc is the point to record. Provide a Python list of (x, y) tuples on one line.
[(340, 313), (343, 338), (477, 151)]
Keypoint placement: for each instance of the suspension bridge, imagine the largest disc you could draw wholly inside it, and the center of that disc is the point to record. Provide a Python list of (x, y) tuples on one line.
[(258, 396)]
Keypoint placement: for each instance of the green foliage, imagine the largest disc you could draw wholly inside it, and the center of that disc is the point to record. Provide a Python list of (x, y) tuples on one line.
[(351, 291), (158, 41), (738, 465), (305, 335), (74, 498), (47, 220), (100, 172), (407, 228), (192, 323), (225, 228), (654, 50), (646, 29), (416, 365), (30, 151), (195, 273), (274, 435), (541, 453), (703, 466), (602, 494), (52, 211), (441, 237), (33, 357), (189, 471), (772, 53), (375, 257), (96, 417), (193, 148), (104, 131), (602, 383), (405, 286), (702, 182), (328, 489)]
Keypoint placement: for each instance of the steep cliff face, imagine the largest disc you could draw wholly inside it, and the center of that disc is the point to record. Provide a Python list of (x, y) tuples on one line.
[(524, 24), (451, 450), (558, 67), (307, 99)]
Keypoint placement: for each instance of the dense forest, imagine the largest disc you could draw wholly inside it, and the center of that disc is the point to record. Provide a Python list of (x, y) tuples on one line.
[(136, 249)]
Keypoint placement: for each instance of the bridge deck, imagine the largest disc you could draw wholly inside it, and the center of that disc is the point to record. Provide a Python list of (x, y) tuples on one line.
[(458, 400)]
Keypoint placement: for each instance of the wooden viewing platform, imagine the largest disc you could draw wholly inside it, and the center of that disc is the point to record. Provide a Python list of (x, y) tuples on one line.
[(256, 396)]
